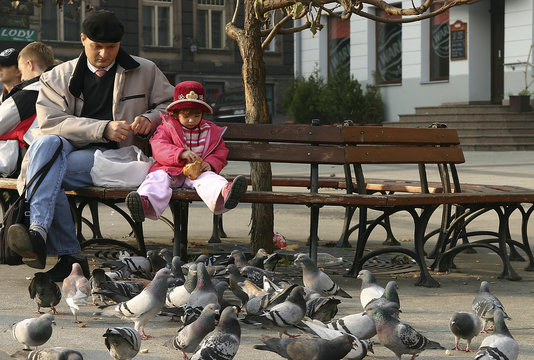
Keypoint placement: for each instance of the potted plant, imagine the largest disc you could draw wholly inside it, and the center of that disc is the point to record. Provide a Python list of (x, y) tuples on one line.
[(521, 101)]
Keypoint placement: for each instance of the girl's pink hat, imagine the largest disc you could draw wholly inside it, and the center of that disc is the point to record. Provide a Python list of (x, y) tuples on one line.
[(189, 95)]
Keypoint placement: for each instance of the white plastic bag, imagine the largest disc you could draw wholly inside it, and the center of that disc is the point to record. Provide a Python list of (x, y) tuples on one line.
[(124, 167), (9, 156)]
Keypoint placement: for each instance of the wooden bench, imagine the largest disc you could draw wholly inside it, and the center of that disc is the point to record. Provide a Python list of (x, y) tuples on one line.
[(351, 147)]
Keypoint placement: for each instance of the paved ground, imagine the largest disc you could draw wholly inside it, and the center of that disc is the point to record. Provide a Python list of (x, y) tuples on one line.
[(428, 310)]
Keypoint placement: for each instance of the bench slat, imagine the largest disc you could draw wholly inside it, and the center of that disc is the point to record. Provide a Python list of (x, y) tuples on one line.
[(302, 154), (459, 198), (284, 133), (403, 154), (391, 135)]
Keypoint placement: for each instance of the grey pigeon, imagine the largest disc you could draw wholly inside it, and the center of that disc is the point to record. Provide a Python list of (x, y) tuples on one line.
[(76, 288), (203, 294), (369, 290), (167, 255), (135, 264), (33, 331), (156, 261), (389, 296), (259, 258), (464, 325), (123, 343), (144, 306), (360, 347), (500, 345), (177, 273), (255, 274), (189, 336), (317, 280), (223, 342), (308, 348), (397, 336), (271, 261), (97, 279), (484, 305), (286, 314), (360, 325), (240, 259), (44, 291), (321, 308), (55, 353), (120, 290), (234, 279), (179, 295)]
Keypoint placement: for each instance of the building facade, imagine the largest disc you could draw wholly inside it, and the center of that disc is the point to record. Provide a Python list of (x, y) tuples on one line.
[(185, 38), (471, 54)]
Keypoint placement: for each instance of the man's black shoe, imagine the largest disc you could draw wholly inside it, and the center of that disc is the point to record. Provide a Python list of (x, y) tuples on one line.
[(64, 266), (29, 244)]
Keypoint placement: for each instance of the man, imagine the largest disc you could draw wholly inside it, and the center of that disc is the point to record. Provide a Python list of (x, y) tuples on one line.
[(104, 99), (9, 72)]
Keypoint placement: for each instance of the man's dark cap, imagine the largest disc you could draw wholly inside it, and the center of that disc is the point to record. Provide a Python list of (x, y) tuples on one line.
[(8, 57), (103, 26)]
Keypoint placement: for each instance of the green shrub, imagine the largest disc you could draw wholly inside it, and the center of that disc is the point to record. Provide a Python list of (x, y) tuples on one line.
[(339, 99)]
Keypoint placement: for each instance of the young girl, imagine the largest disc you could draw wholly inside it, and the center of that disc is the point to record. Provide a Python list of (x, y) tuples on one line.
[(184, 137)]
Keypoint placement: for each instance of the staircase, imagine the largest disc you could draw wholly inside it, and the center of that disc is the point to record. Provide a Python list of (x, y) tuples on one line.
[(480, 127)]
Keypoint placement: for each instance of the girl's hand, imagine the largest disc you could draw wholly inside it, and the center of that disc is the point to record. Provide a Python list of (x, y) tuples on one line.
[(189, 156), (205, 167)]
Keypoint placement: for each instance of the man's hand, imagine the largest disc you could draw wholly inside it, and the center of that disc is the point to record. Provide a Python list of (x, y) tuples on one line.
[(117, 130), (141, 125), (188, 155)]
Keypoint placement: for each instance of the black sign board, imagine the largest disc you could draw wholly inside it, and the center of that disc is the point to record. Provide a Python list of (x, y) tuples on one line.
[(459, 41)]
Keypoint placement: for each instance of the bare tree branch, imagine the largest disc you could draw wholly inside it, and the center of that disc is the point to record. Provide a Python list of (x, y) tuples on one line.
[(234, 18), (275, 31)]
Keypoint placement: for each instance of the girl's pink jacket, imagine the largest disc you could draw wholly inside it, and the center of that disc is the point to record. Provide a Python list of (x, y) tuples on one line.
[(168, 143)]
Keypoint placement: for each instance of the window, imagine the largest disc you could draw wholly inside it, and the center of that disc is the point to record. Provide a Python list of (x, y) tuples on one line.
[(210, 24), (338, 45), (271, 23), (62, 24), (439, 44), (388, 50), (157, 23)]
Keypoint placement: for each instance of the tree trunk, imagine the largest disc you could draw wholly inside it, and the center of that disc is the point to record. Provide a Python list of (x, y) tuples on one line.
[(262, 219)]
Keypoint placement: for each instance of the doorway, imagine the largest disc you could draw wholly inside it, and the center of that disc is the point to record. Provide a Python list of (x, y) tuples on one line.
[(497, 51)]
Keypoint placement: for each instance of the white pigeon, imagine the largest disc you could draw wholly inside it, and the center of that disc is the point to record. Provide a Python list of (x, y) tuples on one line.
[(500, 345), (76, 288), (363, 346), (369, 290), (317, 280), (143, 307), (33, 331), (123, 343)]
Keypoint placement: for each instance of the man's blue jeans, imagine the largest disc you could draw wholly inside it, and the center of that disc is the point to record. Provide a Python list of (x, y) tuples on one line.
[(49, 206)]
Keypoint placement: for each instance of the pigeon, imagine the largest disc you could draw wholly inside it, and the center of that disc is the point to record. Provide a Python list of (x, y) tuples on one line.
[(76, 288), (223, 342), (464, 325), (251, 289), (484, 305), (271, 261), (259, 258), (360, 325), (179, 295), (97, 279), (144, 306), (234, 279), (281, 316), (320, 307), (120, 290), (156, 261), (167, 255), (123, 343), (55, 353), (240, 259), (360, 347), (369, 290), (135, 264), (259, 304), (317, 280), (397, 336), (388, 297), (255, 274), (177, 273), (33, 331), (44, 291), (308, 348), (203, 294), (189, 336), (499, 345)]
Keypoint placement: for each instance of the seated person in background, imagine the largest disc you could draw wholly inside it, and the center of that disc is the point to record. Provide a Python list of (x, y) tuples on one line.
[(9, 72), (182, 140), (17, 112)]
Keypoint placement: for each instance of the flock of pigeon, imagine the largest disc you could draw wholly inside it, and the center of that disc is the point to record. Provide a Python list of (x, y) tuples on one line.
[(137, 289)]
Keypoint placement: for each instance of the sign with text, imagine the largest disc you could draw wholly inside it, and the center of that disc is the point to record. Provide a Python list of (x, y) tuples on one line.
[(459, 41), (14, 34)]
